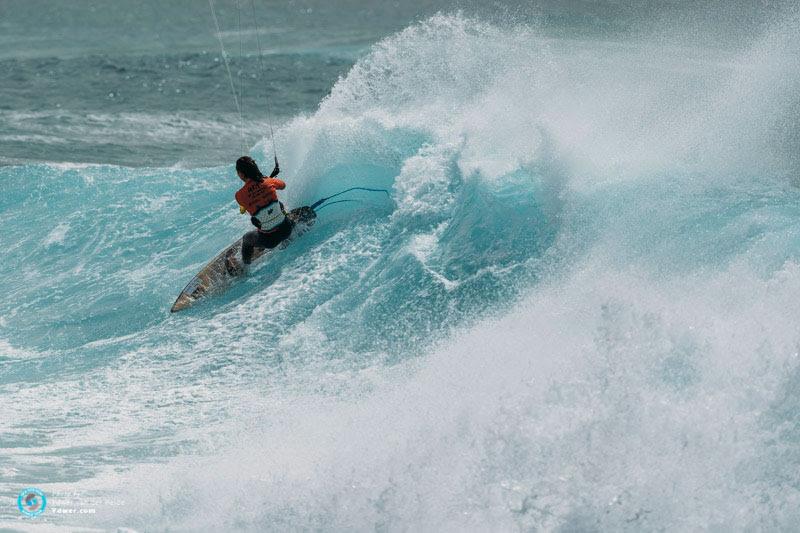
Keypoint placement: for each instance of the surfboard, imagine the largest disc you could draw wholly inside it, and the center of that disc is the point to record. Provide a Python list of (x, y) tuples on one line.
[(227, 267)]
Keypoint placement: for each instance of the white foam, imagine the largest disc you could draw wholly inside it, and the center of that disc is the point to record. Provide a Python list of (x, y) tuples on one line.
[(57, 234), (585, 400)]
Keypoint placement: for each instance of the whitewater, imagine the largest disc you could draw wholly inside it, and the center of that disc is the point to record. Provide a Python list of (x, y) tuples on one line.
[(576, 312)]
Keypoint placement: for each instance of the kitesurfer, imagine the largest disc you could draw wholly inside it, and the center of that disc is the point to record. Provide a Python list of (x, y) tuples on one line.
[(258, 198)]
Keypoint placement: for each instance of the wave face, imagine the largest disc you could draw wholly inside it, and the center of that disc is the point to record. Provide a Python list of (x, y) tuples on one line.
[(577, 311)]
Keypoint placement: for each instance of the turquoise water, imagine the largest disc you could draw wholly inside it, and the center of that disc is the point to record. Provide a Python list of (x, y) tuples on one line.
[(577, 311)]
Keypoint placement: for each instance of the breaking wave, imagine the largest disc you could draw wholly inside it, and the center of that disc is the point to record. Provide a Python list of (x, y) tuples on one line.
[(578, 309)]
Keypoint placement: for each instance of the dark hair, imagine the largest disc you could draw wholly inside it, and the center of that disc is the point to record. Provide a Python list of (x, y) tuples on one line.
[(247, 166)]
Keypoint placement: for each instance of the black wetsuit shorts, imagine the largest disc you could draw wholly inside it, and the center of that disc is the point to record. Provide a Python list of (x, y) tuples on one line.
[(259, 239)]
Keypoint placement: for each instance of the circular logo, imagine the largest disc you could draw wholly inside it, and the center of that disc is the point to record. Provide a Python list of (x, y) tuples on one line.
[(31, 502)]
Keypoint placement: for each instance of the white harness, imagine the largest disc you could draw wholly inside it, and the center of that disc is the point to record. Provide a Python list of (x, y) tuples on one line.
[(270, 216)]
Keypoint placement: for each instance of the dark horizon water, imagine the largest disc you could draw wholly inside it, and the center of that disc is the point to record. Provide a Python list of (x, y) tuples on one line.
[(143, 84)]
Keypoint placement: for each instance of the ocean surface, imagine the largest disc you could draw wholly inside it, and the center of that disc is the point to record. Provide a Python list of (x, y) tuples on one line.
[(578, 310)]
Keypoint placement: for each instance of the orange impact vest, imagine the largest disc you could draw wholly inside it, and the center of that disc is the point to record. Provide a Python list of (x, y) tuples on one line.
[(254, 194)]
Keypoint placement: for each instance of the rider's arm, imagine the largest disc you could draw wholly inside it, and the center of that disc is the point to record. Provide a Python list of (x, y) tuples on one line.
[(276, 183), (239, 198)]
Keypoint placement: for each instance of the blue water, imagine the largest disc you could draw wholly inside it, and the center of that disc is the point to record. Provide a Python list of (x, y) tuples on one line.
[(576, 311)]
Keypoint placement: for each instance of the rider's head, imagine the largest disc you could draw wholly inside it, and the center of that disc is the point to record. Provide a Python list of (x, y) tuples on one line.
[(247, 169)]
